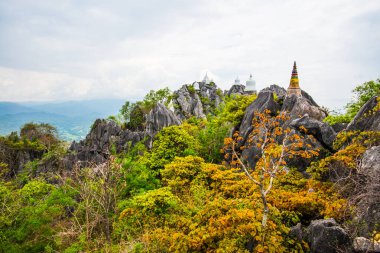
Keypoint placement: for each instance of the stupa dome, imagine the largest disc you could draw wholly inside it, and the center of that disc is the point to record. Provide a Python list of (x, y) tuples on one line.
[(250, 84)]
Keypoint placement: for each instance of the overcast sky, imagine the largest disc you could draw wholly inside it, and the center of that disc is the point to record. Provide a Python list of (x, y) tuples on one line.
[(71, 50)]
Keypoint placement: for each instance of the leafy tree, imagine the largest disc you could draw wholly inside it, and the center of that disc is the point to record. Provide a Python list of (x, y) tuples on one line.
[(272, 156), (170, 142), (44, 133), (134, 114), (234, 107), (136, 174), (126, 110), (163, 96), (29, 216), (137, 117), (363, 93)]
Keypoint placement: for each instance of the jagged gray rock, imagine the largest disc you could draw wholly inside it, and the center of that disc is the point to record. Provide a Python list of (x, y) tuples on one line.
[(187, 103), (95, 149), (279, 91), (309, 98), (364, 245), (264, 101), (338, 127), (367, 118), (323, 132), (18, 158), (295, 107), (326, 236), (367, 193), (299, 106), (211, 96), (236, 89), (296, 231), (158, 118)]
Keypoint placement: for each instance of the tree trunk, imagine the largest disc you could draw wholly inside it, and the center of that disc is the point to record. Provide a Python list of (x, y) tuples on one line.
[(266, 209)]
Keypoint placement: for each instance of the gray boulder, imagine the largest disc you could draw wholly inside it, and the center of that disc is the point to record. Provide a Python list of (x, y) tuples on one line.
[(338, 127), (280, 92), (367, 196), (299, 106), (326, 236), (368, 118), (364, 245), (296, 231), (323, 132), (264, 101), (236, 89)]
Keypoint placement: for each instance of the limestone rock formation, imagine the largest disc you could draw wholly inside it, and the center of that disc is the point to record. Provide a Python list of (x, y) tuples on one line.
[(323, 132), (368, 199), (264, 101), (367, 118), (364, 245), (210, 96), (236, 89), (299, 106), (95, 149), (275, 99), (326, 236), (189, 101), (18, 158), (278, 91), (158, 118)]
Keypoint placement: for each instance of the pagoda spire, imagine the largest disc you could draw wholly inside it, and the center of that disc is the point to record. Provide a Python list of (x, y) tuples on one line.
[(294, 86)]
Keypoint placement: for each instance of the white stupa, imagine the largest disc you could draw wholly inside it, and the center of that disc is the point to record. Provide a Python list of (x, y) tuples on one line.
[(237, 81), (250, 85), (206, 79)]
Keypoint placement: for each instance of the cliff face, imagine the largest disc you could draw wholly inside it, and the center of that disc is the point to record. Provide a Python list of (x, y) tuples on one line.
[(189, 101)]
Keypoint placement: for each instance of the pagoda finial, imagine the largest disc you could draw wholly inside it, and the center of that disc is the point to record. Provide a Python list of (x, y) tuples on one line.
[(294, 87)]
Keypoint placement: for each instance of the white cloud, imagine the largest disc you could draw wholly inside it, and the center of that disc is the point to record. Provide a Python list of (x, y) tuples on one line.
[(125, 48)]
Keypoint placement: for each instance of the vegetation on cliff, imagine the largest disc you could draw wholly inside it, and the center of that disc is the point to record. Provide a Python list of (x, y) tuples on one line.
[(194, 190)]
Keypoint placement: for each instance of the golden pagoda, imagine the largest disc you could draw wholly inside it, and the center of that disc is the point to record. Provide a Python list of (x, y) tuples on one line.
[(294, 86)]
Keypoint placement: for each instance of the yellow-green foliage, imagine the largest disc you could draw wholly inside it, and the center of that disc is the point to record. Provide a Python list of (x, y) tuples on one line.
[(234, 108), (205, 207), (352, 146), (170, 142)]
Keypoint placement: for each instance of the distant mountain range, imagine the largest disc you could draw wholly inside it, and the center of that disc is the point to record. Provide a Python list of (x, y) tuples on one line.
[(73, 119)]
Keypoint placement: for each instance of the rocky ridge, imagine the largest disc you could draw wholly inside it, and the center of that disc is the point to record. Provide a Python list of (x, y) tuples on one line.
[(301, 111)]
